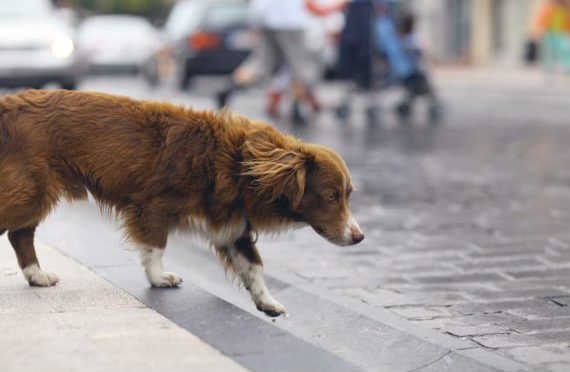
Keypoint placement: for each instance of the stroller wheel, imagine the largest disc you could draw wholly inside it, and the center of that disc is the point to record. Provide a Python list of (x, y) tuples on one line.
[(404, 110), (373, 115), (435, 112), (342, 111)]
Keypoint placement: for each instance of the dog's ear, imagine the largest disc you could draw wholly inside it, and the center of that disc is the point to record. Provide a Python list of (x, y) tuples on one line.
[(275, 171)]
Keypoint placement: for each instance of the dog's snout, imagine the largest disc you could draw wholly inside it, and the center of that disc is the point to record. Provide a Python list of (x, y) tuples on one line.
[(353, 234), (357, 237)]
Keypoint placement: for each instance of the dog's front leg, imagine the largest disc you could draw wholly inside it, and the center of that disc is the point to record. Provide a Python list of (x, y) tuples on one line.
[(247, 263), (152, 261)]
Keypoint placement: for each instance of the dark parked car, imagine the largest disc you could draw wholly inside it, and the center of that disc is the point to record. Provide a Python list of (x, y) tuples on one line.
[(205, 37)]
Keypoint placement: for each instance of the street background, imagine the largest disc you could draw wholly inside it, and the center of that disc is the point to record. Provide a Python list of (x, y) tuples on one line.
[(466, 222), (466, 261)]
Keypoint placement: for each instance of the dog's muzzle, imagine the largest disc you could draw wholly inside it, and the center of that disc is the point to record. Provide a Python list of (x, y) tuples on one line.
[(353, 234)]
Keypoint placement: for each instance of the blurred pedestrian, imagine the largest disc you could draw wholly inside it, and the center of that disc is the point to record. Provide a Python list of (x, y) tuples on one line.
[(416, 79), (281, 25), (355, 45), (356, 54), (551, 30), (378, 51)]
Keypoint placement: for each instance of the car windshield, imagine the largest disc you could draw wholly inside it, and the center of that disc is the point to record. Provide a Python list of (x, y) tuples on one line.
[(24, 8)]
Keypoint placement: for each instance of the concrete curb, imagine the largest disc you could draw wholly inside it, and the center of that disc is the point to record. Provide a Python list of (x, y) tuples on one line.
[(86, 324)]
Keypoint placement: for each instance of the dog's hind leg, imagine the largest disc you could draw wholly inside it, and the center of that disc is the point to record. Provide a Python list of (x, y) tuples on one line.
[(22, 241), (245, 260)]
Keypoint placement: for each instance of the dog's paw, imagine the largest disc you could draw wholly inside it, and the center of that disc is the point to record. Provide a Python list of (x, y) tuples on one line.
[(271, 308), (166, 280), (38, 278)]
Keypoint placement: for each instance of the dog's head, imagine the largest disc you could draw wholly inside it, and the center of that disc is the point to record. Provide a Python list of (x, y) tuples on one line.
[(312, 181)]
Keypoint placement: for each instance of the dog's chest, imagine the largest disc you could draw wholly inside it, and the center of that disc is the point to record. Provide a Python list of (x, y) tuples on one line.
[(280, 227), (224, 235)]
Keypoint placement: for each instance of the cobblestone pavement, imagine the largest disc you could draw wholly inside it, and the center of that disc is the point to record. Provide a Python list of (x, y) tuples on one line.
[(466, 222)]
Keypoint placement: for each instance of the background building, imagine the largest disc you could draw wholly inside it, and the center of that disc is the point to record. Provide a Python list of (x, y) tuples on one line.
[(475, 31)]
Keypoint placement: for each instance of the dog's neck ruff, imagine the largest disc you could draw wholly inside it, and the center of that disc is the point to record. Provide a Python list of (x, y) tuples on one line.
[(232, 231)]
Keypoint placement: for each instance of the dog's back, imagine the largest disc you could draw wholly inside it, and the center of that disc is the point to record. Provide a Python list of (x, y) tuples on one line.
[(61, 143)]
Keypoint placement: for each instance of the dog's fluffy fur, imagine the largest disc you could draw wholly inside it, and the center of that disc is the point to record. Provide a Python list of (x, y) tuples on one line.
[(161, 167)]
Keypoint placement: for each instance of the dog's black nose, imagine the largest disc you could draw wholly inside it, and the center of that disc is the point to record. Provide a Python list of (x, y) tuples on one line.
[(357, 237)]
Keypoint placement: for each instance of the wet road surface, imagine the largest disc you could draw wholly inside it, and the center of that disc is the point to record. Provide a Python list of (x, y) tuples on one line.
[(466, 222)]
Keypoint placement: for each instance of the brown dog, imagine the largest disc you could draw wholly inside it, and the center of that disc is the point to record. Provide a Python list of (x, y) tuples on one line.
[(163, 167)]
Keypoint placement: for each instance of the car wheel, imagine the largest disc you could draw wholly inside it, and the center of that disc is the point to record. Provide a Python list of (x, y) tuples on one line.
[(68, 84)]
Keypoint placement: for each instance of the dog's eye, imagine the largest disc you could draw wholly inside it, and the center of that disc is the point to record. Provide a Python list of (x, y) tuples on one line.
[(332, 196)]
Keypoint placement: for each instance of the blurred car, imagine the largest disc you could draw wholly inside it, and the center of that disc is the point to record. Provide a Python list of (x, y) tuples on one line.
[(207, 37), (117, 42), (36, 47)]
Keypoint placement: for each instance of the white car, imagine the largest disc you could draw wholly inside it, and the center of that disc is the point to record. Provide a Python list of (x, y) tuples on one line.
[(118, 42), (36, 47)]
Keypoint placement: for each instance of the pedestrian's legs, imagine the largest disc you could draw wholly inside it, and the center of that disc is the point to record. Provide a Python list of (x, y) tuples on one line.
[(553, 54), (258, 66), (547, 52), (565, 52), (302, 67), (277, 88)]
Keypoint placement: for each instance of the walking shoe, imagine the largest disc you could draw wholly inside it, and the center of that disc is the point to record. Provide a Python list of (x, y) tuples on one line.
[(273, 104), (316, 106), (222, 98), (297, 116)]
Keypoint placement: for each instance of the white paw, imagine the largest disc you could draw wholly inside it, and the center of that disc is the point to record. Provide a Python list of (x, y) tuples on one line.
[(39, 278), (270, 307), (166, 280)]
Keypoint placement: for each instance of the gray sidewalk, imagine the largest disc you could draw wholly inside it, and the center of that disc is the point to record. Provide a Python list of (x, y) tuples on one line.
[(86, 324)]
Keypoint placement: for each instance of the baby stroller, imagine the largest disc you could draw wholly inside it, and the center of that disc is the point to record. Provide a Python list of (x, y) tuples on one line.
[(375, 55)]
